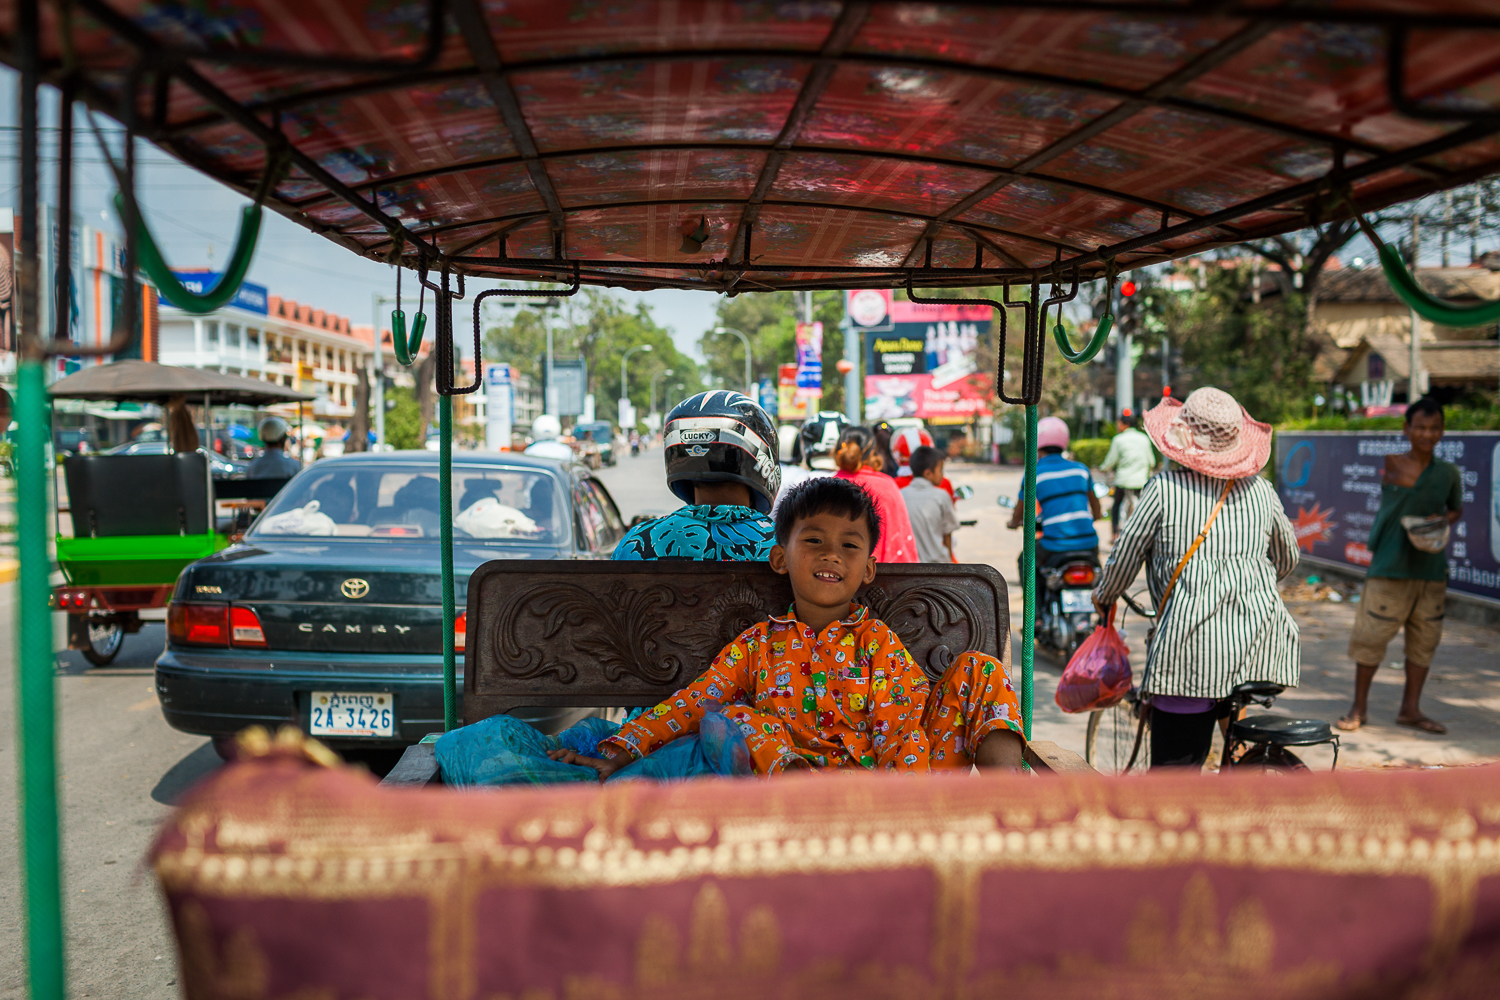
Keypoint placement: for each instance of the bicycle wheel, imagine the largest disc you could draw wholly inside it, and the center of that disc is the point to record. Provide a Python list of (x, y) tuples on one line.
[(1270, 760), (1111, 739)]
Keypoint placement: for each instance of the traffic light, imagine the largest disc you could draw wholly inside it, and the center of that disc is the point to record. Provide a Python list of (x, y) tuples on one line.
[(1127, 288), (1126, 311)]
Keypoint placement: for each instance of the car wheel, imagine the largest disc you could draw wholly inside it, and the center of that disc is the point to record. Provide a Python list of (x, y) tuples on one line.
[(104, 642)]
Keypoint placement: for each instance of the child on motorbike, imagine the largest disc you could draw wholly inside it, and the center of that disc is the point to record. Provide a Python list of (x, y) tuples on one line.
[(829, 685)]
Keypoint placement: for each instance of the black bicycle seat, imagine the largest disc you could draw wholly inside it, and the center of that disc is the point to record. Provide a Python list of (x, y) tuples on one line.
[(1280, 730), (1258, 689)]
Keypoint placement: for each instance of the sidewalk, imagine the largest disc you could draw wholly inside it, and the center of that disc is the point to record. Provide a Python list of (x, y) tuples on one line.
[(1463, 691)]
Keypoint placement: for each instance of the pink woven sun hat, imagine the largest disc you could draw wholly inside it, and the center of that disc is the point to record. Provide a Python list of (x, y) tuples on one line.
[(1210, 433)]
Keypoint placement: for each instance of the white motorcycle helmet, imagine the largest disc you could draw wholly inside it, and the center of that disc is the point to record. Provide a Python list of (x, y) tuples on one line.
[(546, 428)]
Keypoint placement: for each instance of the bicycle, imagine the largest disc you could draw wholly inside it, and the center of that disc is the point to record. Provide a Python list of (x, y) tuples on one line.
[(1118, 739)]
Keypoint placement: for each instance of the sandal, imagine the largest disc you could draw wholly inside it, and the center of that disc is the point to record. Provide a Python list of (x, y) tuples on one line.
[(1423, 724), (1350, 723)]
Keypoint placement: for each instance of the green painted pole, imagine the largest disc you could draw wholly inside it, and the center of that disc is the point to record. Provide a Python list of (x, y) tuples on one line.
[(1028, 572), (445, 518), (36, 699)]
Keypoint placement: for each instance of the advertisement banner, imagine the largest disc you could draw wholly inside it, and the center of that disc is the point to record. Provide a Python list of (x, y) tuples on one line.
[(810, 361), (1330, 487), (869, 309), (789, 405), (499, 407), (925, 367)]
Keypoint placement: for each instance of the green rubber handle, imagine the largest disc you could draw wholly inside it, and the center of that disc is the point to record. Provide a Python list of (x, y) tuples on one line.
[(406, 352), (1407, 290), (157, 269), (1093, 347)]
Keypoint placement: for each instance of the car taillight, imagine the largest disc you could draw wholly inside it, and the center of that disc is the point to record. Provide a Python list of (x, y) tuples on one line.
[(76, 599), (245, 628), (1078, 575), (460, 630), (198, 624)]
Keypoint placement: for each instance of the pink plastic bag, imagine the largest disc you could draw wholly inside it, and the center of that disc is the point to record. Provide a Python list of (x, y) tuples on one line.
[(1098, 675)]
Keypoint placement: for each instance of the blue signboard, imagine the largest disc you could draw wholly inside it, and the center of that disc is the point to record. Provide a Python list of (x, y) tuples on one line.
[(251, 298), (1330, 486)]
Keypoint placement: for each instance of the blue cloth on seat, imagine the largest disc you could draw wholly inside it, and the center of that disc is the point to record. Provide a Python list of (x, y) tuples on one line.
[(503, 750)]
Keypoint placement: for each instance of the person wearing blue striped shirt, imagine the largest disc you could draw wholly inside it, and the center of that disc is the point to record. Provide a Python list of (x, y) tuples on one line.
[(1065, 493)]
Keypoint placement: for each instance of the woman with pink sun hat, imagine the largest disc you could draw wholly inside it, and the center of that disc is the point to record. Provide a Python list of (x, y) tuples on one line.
[(1215, 541)]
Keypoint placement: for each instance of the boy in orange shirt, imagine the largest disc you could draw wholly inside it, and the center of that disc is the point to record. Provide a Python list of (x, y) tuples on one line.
[(830, 685)]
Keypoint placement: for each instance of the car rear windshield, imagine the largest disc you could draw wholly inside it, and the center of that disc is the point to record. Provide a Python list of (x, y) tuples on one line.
[(352, 500)]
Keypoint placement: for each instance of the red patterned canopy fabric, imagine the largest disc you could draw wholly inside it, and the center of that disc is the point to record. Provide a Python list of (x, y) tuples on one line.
[(982, 140), (286, 880)]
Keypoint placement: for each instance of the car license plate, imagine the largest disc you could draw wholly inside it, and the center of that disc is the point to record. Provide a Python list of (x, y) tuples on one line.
[(1077, 600), (351, 713)]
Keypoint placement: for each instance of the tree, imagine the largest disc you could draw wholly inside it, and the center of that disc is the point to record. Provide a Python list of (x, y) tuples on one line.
[(403, 419), (599, 328), (770, 320)]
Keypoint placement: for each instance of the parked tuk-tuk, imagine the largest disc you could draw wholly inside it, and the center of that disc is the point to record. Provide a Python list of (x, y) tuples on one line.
[(137, 520)]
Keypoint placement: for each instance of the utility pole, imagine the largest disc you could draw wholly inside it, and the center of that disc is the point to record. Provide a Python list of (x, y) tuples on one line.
[(1124, 362), (377, 393), (853, 347)]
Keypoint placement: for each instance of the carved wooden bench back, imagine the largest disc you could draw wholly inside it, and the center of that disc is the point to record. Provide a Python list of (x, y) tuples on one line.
[(605, 634)]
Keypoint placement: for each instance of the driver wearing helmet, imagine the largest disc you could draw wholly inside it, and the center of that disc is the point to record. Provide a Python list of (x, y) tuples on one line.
[(1065, 493), (820, 438), (721, 453), (545, 431), (274, 462)]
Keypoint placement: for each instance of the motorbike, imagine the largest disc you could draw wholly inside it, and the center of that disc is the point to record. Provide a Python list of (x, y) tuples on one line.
[(1065, 613)]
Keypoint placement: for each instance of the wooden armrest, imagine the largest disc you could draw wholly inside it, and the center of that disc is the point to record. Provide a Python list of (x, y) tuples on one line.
[(1045, 756)]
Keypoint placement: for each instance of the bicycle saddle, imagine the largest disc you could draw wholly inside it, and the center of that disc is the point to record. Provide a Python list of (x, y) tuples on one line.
[(1258, 689), (1280, 730)]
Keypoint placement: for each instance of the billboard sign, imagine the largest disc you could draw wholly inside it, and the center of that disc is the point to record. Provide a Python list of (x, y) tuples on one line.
[(249, 297), (499, 406), (1329, 483), (567, 386), (810, 360), (925, 366), (789, 405), (868, 309)]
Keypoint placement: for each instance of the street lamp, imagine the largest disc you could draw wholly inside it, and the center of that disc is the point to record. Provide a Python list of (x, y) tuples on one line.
[(625, 386), (749, 389), (664, 371)]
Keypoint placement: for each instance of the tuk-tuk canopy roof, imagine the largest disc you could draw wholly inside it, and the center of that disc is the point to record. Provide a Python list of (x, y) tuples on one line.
[(146, 381), (746, 146)]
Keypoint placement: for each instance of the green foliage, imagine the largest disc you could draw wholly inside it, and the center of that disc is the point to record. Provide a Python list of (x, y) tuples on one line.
[(403, 419), (1455, 418), (769, 320), (599, 328), (1259, 353), (1090, 451)]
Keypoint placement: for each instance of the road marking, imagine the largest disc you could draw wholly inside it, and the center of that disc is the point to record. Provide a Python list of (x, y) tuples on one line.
[(141, 706)]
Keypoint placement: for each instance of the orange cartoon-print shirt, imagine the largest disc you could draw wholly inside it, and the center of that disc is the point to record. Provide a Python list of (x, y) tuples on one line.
[(850, 697)]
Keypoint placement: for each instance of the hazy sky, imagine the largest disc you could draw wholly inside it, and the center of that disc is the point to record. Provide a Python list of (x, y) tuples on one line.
[(194, 220)]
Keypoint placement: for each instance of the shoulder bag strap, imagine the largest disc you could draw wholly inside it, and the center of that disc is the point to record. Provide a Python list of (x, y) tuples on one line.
[(1223, 495)]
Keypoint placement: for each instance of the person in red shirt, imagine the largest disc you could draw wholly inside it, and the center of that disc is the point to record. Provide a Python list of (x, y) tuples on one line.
[(829, 685), (859, 462)]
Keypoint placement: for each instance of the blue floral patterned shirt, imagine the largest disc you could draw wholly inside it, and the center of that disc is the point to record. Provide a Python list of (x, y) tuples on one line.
[(703, 533)]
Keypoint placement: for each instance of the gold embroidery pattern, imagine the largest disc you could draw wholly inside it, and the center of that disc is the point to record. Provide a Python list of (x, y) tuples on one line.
[(957, 829)]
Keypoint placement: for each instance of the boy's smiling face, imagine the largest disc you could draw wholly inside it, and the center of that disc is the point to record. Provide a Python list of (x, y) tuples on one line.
[(828, 558)]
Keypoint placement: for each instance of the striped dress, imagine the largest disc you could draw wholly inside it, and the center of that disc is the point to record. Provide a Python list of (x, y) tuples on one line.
[(1226, 623)]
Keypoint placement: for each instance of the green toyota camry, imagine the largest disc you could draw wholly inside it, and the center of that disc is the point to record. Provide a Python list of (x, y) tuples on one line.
[(328, 615)]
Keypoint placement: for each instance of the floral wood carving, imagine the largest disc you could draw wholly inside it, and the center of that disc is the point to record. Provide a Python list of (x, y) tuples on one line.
[(619, 629), (942, 611), (733, 611)]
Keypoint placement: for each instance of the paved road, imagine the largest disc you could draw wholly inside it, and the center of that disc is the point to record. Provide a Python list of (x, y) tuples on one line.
[(121, 769)]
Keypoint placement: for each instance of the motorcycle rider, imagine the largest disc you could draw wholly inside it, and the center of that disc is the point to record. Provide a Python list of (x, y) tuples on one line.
[(721, 456), (545, 431), (274, 462), (1065, 494), (820, 438)]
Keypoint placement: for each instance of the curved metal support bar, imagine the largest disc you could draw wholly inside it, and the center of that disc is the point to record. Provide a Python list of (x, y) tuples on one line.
[(1395, 85), (445, 385), (999, 307), (1428, 306)]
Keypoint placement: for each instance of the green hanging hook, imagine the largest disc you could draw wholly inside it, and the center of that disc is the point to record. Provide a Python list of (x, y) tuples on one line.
[(1101, 332), (406, 351), (1429, 307), (155, 265)]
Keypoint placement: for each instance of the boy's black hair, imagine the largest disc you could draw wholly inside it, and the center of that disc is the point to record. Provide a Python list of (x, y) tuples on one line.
[(826, 495), (1426, 405), (925, 459)]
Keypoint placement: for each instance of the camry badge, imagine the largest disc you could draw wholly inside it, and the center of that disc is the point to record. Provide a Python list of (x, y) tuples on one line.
[(354, 588)]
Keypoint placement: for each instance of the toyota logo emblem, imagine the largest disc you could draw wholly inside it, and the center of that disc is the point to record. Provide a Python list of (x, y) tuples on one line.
[(354, 588)]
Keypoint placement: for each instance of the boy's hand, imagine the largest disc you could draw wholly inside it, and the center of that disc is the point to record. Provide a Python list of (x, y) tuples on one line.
[(606, 766)]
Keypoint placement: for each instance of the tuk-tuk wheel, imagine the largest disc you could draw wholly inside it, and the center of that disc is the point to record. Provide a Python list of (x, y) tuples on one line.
[(103, 641)]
